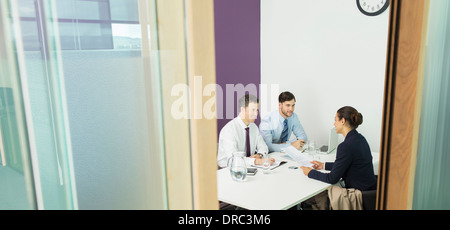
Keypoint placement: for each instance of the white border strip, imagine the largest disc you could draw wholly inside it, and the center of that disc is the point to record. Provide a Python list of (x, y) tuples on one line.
[(27, 105)]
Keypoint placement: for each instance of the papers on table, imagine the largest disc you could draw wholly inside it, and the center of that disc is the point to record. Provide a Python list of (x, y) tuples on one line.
[(274, 165), (298, 157)]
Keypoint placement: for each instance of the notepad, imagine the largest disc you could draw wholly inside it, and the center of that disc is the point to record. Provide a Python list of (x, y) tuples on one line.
[(274, 165)]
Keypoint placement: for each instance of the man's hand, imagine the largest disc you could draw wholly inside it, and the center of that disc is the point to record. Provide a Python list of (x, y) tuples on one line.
[(257, 156), (298, 144), (259, 160)]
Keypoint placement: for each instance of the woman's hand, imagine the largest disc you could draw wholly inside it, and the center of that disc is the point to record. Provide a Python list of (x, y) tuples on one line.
[(306, 170), (317, 165)]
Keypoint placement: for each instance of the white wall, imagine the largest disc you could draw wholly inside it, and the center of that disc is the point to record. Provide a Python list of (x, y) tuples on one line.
[(328, 55)]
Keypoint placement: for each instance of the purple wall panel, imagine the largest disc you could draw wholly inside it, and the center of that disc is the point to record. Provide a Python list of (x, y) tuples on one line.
[(237, 36)]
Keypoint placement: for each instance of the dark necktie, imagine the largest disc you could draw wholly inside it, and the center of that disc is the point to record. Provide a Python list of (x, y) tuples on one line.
[(247, 141), (284, 134)]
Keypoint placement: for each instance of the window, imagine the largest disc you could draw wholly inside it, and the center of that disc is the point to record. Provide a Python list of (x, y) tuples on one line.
[(85, 24)]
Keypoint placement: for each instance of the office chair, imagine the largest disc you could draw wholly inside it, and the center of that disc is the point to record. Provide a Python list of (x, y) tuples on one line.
[(369, 198), (224, 206)]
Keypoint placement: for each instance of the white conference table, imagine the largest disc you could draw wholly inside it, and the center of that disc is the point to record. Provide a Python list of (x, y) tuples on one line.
[(282, 189)]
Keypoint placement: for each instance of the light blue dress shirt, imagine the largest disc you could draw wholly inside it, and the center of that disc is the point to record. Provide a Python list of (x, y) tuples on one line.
[(272, 125)]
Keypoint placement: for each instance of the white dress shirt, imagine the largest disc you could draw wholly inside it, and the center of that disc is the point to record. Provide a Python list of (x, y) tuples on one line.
[(232, 139)]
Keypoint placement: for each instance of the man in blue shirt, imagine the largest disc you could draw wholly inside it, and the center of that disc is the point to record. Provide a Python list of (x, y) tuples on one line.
[(277, 126)]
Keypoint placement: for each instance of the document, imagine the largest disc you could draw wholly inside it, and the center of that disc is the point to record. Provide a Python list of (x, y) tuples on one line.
[(274, 165), (298, 157)]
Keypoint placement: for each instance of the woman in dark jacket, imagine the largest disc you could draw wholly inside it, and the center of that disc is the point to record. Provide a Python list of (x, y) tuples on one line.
[(353, 158)]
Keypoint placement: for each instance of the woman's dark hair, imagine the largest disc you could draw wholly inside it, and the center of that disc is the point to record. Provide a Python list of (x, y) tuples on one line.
[(351, 115), (285, 96)]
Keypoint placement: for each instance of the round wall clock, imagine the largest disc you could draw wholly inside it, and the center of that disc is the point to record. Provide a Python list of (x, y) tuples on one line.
[(372, 7)]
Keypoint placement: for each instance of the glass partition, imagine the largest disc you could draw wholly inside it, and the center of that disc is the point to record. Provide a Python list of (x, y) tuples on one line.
[(16, 178), (107, 98), (92, 91), (431, 179)]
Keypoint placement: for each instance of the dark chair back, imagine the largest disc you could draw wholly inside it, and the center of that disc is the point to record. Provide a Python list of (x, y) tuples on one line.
[(369, 198)]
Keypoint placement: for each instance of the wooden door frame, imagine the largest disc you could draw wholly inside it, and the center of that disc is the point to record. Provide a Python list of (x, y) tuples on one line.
[(187, 57), (402, 103), (202, 65)]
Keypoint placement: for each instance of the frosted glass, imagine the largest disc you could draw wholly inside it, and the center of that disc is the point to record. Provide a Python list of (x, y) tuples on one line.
[(432, 184), (107, 98), (124, 10), (109, 127), (89, 115), (16, 182)]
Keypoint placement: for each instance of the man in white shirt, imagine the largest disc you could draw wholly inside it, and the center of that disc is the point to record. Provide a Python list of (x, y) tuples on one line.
[(277, 127), (242, 135)]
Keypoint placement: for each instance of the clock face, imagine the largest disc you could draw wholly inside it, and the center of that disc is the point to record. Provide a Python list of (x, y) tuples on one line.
[(372, 7)]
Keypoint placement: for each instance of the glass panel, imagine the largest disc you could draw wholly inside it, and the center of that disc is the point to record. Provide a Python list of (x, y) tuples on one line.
[(87, 24), (111, 157), (431, 179), (64, 9), (68, 36), (127, 36), (109, 116), (17, 185), (27, 8), (92, 10), (30, 35), (124, 10), (53, 165), (95, 36)]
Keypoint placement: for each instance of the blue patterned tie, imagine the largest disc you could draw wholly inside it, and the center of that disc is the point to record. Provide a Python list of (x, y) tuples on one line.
[(284, 134)]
